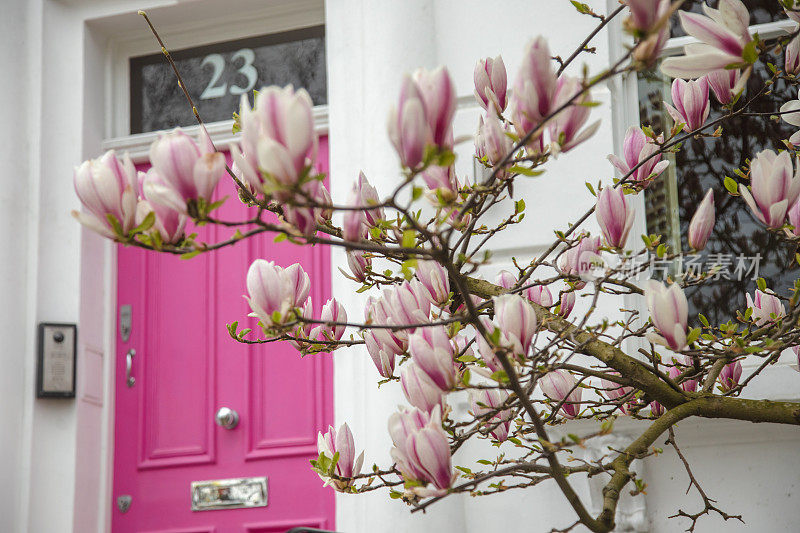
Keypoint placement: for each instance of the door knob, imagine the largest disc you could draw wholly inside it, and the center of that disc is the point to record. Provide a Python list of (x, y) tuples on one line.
[(226, 418)]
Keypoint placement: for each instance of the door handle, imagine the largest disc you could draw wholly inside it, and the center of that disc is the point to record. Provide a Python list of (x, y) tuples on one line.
[(129, 380)]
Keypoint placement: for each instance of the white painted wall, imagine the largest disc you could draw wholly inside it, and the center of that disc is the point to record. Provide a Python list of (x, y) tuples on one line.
[(370, 45)]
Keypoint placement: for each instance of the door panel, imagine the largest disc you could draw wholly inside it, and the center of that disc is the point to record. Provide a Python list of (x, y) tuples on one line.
[(186, 367)]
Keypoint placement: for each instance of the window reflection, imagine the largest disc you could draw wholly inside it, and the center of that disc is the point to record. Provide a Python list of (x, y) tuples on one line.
[(703, 164)]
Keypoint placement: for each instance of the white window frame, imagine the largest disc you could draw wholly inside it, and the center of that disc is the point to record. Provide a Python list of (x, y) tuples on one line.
[(276, 17)]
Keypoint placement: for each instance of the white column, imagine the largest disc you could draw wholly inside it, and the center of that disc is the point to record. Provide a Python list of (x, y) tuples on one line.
[(370, 45)]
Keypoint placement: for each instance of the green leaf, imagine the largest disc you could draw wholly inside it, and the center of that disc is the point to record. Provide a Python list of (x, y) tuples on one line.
[(762, 284), (416, 192), (525, 171), (591, 189), (147, 223), (731, 185), (519, 206), (483, 462), (661, 250), (115, 225), (582, 8), (409, 238), (750, 52), (703, 319), (189, 255), (500, 376), (693, 335)]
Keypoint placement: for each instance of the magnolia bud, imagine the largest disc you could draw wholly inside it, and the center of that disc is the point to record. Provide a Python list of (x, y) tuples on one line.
[(422, 450), (722, 83), (566, 303), (730, 375), (702, 222), (792, 62), (490, 84), (340, 442), (382, 354), (434, 278), (691, 103), (517, 320), (332, 311), (106, 187), (559, 385), (775, 187), (484, 401), (432, 351), (615, 214), (638, 148), (669, 312), (766, 307), (419, 389)]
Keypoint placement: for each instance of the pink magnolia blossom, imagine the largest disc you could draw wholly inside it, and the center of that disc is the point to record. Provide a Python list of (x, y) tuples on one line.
[(378, 311), (421, 449), (278, 140), (774, 187), (796, 351), (382, 354), (491, 83), (691, 105), (794, 218), (341, 442), (273, 289), (442, 184), (722, 82), (702, 222), (358, 263), (485, 349), (408, 126), (505, 279), (566, 129), (669, 312), (579, 260), (566, 302), (419, 389), (332, 311), (790, 113), (517, 320), (792, 57), (534, 90), (678, 368), (408, 302), (614, 391), (358, 221), (615, 214), (645, 13), (638, 148), (434, 278), (424, 116), (483, 402), (539, 294), (432, 351), (730, 376), (170, 224), (186, 172), (723, 34), (656, 409), (307, 218), (106, 186), (491, 141), (559, 385), (766, 307)]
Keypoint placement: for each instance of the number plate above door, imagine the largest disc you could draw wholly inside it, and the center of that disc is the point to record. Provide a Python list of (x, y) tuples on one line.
[(229, 493)]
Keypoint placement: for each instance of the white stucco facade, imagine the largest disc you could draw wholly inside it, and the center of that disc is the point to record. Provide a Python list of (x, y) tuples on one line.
[(63, 105)]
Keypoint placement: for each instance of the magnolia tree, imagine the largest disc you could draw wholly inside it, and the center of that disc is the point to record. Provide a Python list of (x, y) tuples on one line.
[(514, 343)]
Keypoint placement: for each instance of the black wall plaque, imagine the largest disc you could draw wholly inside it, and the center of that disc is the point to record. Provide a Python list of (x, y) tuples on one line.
[(217, 74)]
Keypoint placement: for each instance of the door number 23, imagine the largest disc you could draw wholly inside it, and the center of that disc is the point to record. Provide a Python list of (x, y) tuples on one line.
[(217, 62)]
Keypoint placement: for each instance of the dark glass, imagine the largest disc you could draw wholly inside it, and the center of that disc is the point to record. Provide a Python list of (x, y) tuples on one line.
[(702, 164), (761, 11), (217, 74)]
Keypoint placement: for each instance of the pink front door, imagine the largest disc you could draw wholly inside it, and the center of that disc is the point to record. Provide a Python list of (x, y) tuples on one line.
[(186, 367)]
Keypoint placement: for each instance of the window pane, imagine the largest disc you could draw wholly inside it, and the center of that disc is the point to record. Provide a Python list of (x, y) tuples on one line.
[(702, 164), (761, 11), (217, 74)]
